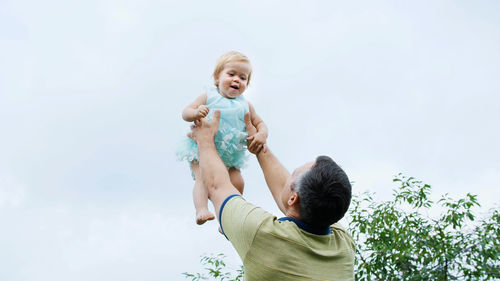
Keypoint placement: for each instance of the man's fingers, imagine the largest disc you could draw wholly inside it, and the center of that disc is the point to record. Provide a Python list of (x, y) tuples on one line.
[(216, 116), (248, 123), (257, 151), (250, 143), (253, 146), (260, 147), (250, 138)]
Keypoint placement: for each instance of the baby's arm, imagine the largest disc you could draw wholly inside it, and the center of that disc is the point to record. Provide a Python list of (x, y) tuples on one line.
[(258, 140), (196, 110)]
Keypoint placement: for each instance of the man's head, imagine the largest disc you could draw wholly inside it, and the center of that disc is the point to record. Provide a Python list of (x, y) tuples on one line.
[(324, 192)]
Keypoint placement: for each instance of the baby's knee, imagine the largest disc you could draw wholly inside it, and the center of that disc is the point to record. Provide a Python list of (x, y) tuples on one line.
[(239, 184), (236, 179)]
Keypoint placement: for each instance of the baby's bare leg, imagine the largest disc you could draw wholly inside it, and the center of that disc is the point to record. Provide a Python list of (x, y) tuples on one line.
[(200, 196), (236, 179)]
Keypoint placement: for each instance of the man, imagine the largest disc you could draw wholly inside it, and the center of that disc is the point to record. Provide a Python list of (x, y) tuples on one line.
[(307, 243)]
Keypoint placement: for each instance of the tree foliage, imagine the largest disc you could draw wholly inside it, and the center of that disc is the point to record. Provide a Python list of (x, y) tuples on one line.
[(400, 239), (215, 269)]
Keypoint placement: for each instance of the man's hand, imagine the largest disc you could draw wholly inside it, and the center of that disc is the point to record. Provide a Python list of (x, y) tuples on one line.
[(203, 130), (201, 112), (256, 142)]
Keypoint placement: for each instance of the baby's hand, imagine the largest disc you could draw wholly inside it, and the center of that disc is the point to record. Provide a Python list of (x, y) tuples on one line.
[(202, 111), (257, 142)]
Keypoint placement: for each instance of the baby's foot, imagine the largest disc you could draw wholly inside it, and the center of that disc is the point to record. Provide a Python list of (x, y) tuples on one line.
[(203, 216)]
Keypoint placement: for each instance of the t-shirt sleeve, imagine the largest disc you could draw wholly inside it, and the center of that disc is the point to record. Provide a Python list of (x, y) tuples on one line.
[(240, 221)]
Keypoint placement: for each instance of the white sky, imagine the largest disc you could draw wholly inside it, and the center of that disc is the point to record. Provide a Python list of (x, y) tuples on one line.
[(91, 94)]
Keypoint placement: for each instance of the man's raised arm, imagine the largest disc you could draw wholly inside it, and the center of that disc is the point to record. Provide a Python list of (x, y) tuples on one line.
[(214, 173), (274, 172)]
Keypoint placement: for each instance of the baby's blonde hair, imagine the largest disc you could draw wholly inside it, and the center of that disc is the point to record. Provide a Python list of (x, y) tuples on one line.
[(229, 57)]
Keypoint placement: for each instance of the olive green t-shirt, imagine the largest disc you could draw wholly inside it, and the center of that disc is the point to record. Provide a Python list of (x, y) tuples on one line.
[(273, 249)]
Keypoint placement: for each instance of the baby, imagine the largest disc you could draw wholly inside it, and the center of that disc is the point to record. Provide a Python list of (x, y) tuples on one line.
[(231, 78)]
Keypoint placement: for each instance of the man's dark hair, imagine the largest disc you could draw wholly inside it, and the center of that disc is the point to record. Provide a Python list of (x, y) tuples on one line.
[(324, 193)]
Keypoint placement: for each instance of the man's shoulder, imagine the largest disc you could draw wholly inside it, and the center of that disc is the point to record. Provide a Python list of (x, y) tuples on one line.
[(340, 233), (241, 207), (237, 201), (236, 209), (337, 227), (240, 222)]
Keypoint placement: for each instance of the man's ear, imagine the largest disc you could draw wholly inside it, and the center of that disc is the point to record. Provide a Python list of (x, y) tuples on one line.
[(293, 200)]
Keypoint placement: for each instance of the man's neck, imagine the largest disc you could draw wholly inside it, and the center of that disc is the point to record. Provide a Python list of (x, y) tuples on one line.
[(292, 212)]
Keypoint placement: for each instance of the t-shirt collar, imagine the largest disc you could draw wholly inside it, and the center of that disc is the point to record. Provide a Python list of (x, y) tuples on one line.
[(309, 228)]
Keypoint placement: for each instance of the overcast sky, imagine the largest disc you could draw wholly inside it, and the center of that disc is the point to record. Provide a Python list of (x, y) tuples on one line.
[(91, 94)]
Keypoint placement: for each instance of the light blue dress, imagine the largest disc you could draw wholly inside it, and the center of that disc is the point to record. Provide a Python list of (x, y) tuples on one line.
[(231, 137)]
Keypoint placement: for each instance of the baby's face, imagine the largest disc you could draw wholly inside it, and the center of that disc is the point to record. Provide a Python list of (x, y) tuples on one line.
[(233, 79)]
